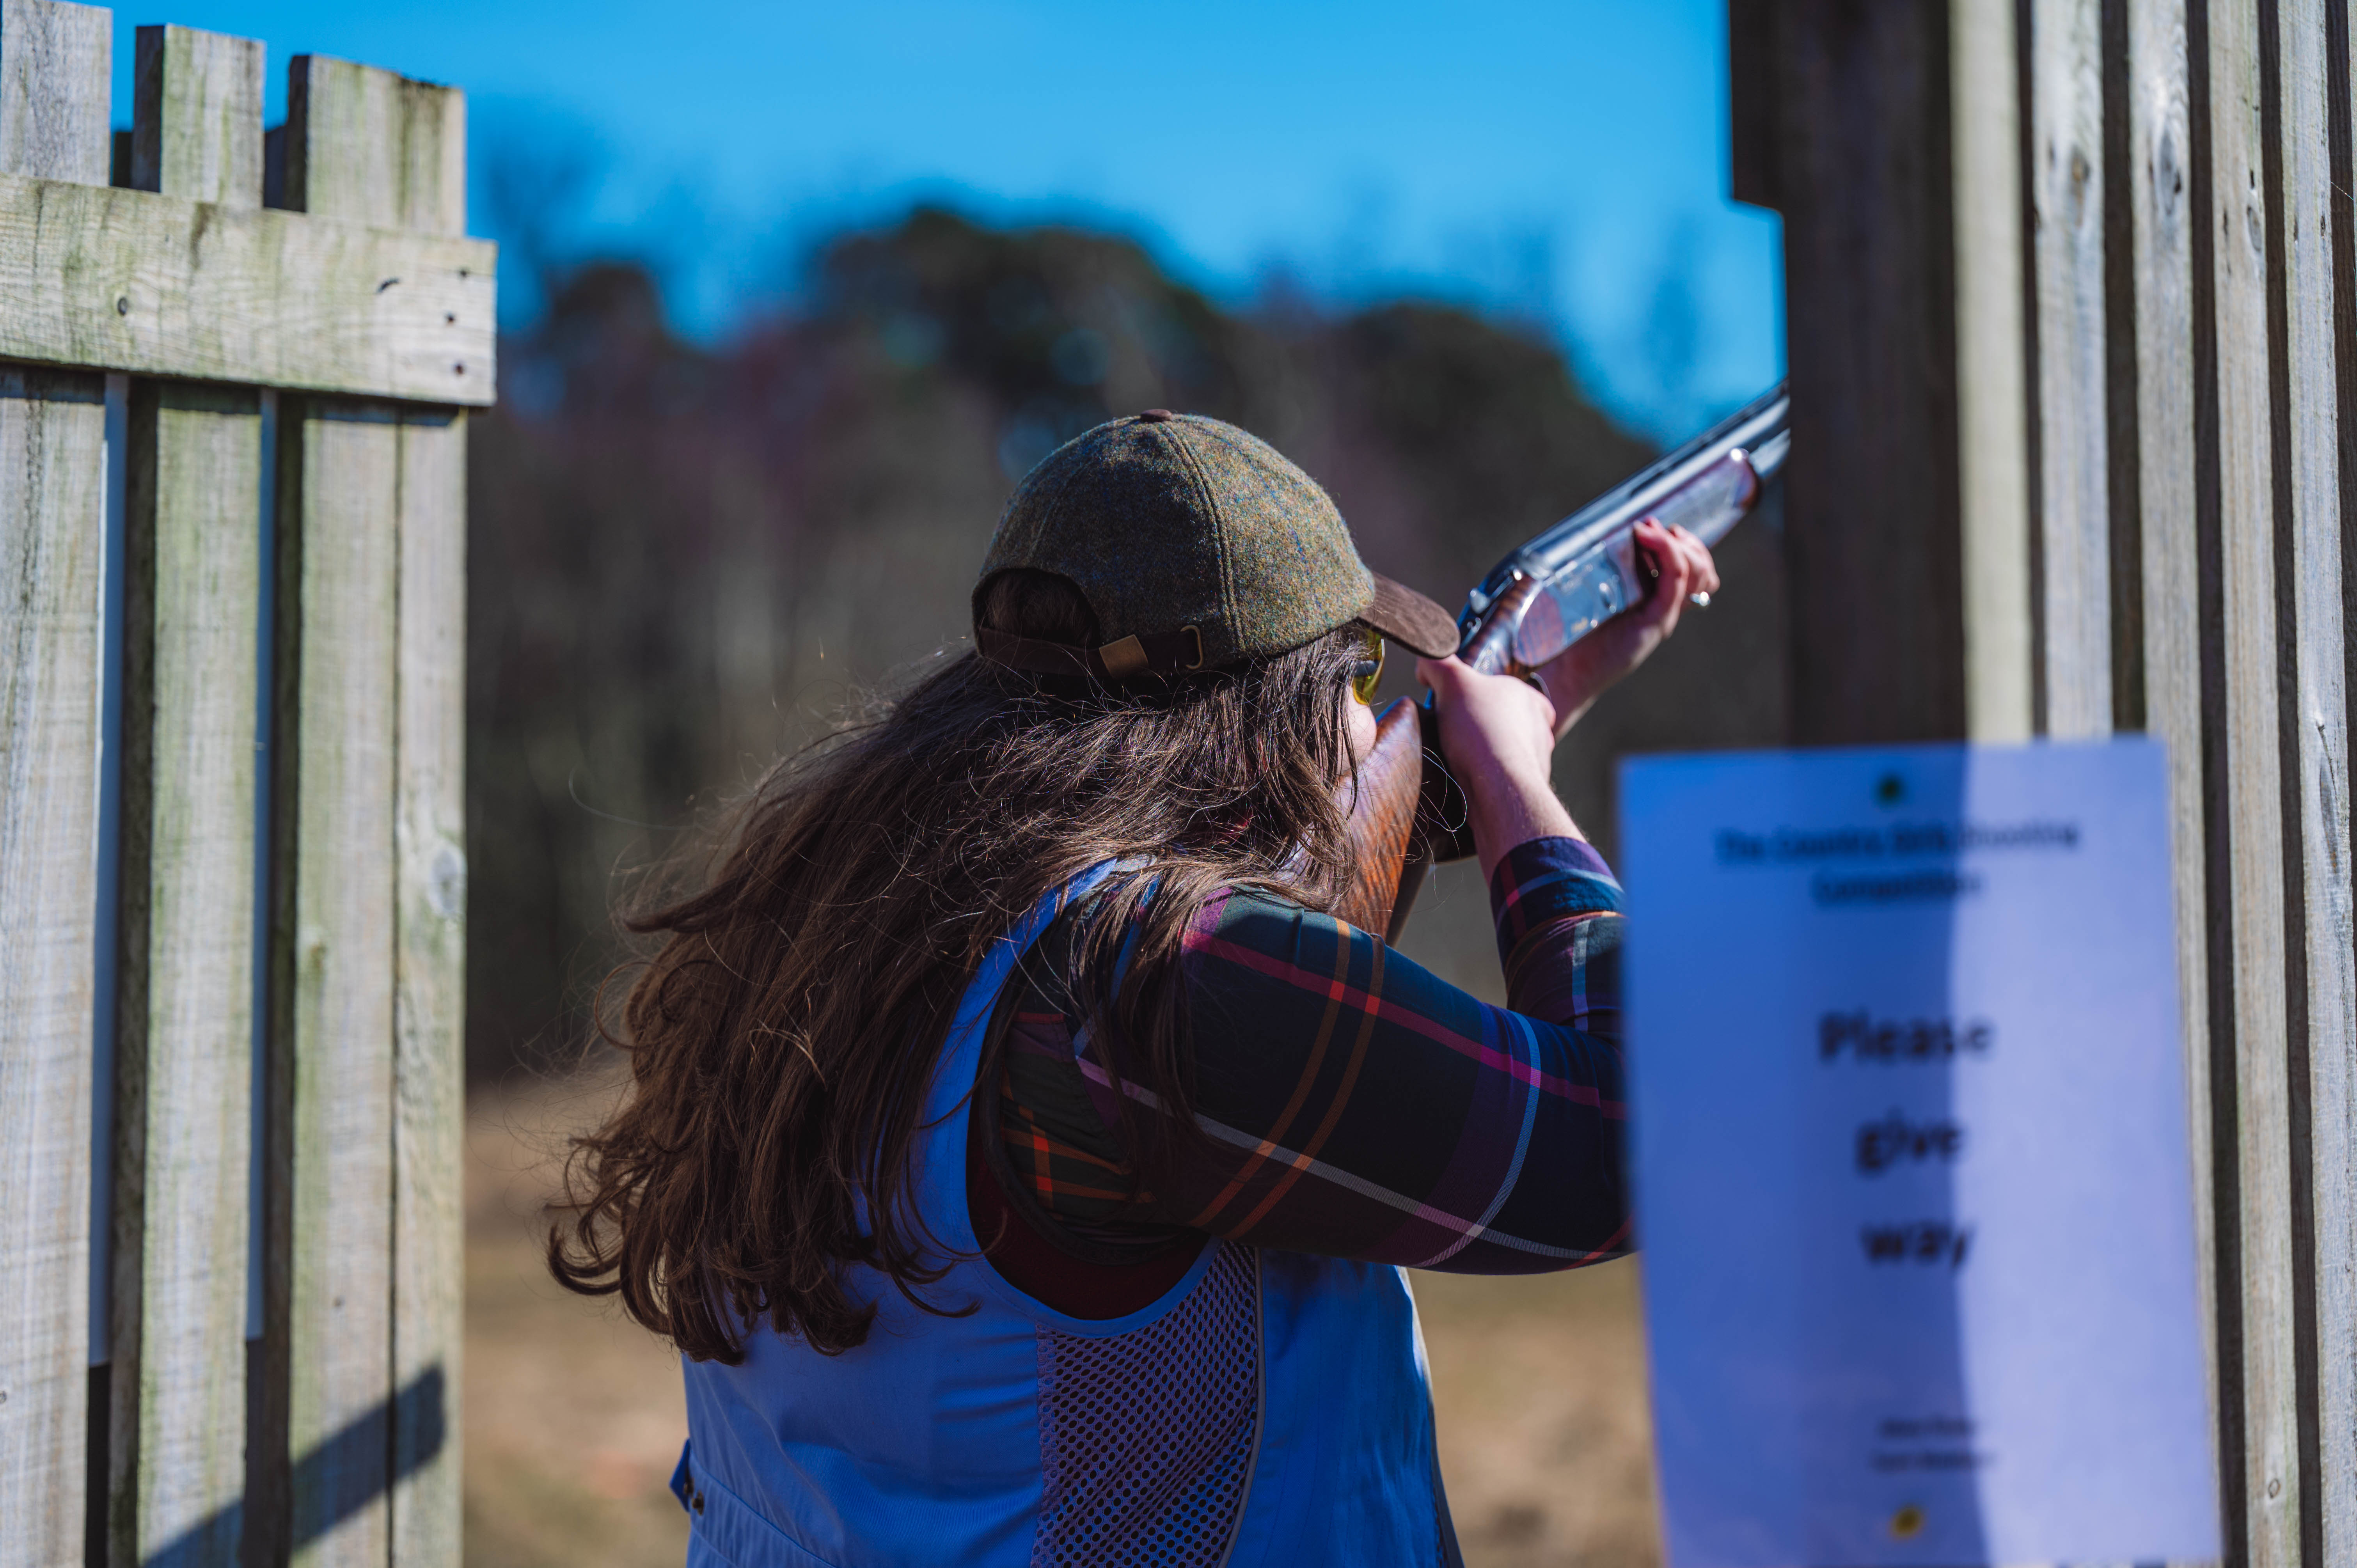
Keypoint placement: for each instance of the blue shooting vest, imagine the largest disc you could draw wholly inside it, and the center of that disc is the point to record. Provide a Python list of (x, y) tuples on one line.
[(1272, 1408)]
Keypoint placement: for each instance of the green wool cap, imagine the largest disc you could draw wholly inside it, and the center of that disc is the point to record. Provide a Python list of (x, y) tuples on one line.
[(1169, 523)]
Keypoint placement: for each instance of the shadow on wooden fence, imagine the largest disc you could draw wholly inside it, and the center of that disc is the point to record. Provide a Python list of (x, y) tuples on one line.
[(331, 1478)]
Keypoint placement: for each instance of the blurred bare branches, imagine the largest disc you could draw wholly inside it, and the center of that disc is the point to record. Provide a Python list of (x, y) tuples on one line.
[(686, 558)]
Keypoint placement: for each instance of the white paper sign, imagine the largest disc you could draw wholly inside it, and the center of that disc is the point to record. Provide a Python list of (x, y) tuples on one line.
[(1911, 1163)]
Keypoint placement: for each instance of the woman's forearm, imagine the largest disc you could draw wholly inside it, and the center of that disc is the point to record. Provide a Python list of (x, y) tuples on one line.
[(1508, 809)]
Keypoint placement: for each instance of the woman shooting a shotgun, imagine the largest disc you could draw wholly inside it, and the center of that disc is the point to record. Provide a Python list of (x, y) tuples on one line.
[(1021, 1154)]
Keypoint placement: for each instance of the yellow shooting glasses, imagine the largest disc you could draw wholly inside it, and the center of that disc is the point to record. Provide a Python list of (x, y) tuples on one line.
[(1369, 670)]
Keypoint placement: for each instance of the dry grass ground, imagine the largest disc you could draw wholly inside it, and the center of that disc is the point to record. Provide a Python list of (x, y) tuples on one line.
[(573, 1417)]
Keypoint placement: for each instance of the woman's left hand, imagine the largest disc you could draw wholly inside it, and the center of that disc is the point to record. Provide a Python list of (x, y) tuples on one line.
[(1681, 563)]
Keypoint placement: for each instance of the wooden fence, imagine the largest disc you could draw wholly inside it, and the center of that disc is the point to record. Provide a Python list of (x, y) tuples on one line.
[(2074, 388), (232, 871)]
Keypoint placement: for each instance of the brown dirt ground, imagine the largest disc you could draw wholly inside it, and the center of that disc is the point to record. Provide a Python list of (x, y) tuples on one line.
[(573, 1418)]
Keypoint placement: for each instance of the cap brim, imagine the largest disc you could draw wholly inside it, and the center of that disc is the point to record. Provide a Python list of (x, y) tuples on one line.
[(1408, 617)]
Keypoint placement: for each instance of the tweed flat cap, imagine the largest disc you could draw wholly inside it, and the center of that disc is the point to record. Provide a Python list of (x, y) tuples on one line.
[(1202, 544)]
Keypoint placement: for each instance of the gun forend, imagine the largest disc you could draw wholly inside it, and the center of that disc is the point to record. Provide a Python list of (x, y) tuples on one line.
[(1560, 585)]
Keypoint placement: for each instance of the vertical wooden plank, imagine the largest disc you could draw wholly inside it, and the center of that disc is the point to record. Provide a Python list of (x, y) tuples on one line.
[(1872, 531), (197, 128), (377, 147), (55, 90), (2325, 1322), (2266, 1376), (184, 994), (428, 1330), (2066, 194), (1992, 409), (2162, 272), (434, 147), (53, 533), (54, 77), (430, 816), (2333, 1061), (333, 1021), (369, 145), (1753, 113), (185, 931)]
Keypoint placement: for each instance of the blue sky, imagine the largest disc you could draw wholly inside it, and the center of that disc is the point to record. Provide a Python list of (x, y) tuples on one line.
[(1562, 161)]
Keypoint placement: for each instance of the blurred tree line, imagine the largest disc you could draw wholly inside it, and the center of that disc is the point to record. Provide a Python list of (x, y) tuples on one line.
[(686, 559)]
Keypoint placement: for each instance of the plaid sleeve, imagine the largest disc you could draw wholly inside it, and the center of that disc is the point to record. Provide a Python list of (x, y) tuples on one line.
[(1558, 908), (1359, 1105), (1353, 1103)]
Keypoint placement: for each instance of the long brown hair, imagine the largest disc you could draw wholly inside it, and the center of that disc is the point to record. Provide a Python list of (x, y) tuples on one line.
[(782, 1038)]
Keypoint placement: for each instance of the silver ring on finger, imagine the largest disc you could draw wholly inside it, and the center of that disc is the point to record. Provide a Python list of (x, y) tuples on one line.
[(1699, 599)]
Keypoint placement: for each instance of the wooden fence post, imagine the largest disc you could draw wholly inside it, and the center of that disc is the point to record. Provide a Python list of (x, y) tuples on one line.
[(184, 1016), (2257, 1386), (430, 996), (1992, 371), (2321, 294), (2158, 274), (54, 61), (2306, 298), (183, 1063), (370, 530), (2071, 532), (430, 883), (2313, 741)]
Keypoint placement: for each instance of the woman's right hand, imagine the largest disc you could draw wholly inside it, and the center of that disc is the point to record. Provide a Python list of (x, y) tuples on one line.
[(1682, 565), (1499, 733)]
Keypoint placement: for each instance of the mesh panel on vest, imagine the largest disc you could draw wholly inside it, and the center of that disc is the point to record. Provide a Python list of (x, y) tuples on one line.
[(1146, 1438)]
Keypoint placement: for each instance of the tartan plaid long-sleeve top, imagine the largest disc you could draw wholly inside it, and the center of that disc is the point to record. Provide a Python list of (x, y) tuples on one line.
[(1355, 1104)]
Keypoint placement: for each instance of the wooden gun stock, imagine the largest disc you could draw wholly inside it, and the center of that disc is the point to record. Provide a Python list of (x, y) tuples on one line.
[(1384, 820), (1408, 813)]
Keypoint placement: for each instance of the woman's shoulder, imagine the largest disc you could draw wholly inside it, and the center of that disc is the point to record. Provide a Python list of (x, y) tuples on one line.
[(1252, 933), (1246, 913)]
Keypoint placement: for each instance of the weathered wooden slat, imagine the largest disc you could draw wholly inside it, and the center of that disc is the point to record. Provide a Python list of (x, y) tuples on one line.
[(1992, 411), (381, 148), (2161, 273), (369, 146), (2326, 1159), (428, 1329), (184, 933), (1872, 536), (197, 131), (384, 490), (2066, 192), (55, 85), (2334, 1080), (184, 993), (126, 280), (2266, 1376), (52, 535), (333, 855), (54, 79), (345, 158)]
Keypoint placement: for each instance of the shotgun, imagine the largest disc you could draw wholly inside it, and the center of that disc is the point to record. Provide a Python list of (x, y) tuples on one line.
[(1406, 813)]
